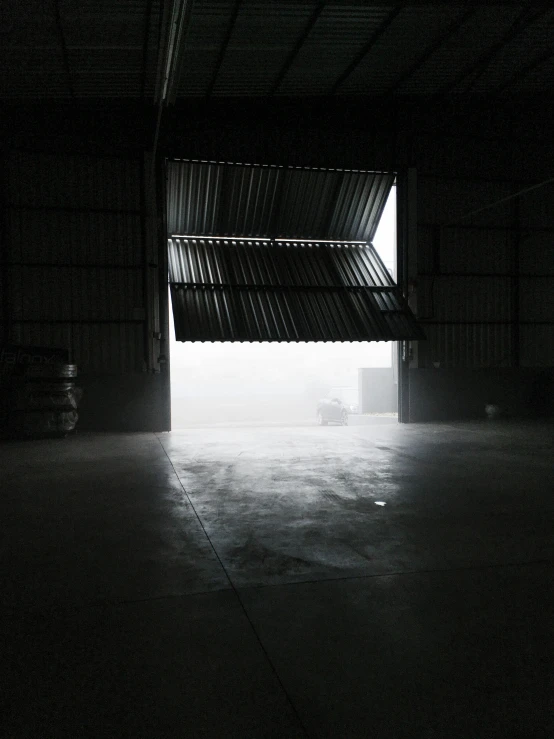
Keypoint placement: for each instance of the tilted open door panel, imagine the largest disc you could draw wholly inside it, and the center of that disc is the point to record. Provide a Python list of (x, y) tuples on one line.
[(246, 290), (267, 253), (251, 201)]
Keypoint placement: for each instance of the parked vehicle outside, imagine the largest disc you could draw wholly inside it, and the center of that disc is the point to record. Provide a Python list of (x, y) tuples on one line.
[(337, 405)]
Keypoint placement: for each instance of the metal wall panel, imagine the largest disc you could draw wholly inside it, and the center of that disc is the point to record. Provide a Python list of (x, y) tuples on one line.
[(466, 250), (472, 299), (112, 348), (74, 237), (215, 199), (446, 201), (536, 209), (469, 345), (537, 253), (76, 257), (47, 181), (536, 299), (486, 281), (537, 345), (537, 291)]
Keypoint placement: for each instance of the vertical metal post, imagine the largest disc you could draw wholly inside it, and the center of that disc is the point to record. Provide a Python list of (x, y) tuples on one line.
[(163, 297), (406, 215), (5, 273), (147, 324), (515, 286)]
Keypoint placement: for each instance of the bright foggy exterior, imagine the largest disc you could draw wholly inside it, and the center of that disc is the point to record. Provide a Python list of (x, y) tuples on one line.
[(221, 383)]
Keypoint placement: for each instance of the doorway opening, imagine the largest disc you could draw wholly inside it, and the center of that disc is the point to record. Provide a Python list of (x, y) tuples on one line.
[(242, 383)]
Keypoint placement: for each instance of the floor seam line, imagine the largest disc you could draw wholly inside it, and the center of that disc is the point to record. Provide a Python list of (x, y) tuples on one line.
[(110, 603), (240, 601), (467, 568)]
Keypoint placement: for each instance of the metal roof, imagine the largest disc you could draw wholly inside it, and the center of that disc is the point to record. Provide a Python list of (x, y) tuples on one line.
[(247, 290), (114, 48), (249, 201)]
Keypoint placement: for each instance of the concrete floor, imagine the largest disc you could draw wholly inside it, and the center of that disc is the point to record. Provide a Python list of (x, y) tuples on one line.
[(245, 583)]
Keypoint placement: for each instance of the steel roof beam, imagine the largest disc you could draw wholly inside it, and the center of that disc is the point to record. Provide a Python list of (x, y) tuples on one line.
[(433, 47), (524, 71), (174, 27), (365, 49), (477, 68), (223, 48), (295, 51)]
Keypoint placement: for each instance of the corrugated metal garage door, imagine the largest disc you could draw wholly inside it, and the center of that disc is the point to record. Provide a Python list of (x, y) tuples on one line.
[(252, 201), (244, 290), (289, 257)]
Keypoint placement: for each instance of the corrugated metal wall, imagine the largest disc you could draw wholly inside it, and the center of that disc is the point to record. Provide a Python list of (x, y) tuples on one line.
[(484, 282), (79, 238), (536, 263)]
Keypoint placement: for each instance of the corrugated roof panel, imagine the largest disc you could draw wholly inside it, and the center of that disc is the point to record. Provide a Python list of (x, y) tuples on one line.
[(339, 34), (532, 43), (477, 35), (261, 291), (104, 23), (262, 39), (104, 42), (538, 80), (207, 30), (213, 199), (399, 47)]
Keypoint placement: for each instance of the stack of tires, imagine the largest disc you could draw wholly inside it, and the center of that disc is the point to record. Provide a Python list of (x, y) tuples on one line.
[(44, 401)]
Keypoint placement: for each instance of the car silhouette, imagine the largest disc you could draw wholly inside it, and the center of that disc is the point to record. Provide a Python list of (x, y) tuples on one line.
[(338, 404)]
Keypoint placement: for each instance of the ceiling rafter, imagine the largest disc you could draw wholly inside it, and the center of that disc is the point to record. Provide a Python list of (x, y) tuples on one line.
[(223, 48), (439, 41), (63, 47), (312, 20), (375, 36), (476, 68), (524, 71)]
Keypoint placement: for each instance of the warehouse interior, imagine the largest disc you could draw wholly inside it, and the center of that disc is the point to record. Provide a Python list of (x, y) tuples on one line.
[(391, 580)]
